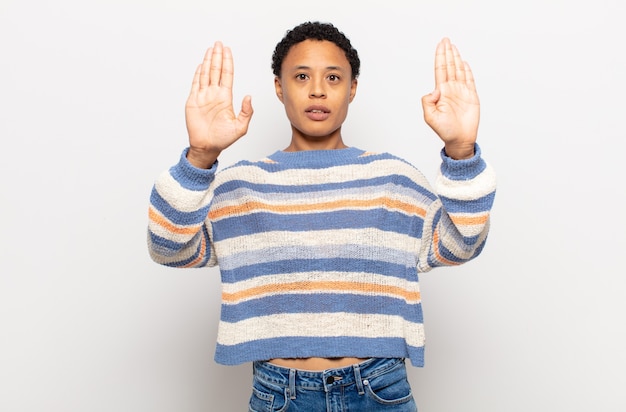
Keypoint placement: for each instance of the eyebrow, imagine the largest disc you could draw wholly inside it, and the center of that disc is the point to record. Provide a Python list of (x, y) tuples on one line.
[(327, 68)]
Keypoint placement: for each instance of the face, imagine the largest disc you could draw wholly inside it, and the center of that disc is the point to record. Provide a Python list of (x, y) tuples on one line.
[(316, 87)]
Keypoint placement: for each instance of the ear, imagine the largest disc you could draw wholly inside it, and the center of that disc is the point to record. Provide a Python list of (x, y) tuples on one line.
[(279, 88), (353, 89)]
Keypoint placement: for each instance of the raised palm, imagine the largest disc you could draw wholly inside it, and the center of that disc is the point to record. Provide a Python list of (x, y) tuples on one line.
[(211, 121), (453, 109)]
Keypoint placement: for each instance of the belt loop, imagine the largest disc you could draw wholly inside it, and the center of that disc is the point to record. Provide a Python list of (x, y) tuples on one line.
[(292, 383), (357, 379)]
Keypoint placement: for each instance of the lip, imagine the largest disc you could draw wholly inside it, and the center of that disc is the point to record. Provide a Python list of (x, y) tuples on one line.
[(317, 108), (317, 112)]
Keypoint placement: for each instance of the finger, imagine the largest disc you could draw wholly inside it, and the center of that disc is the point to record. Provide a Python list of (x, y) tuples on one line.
[(245, 115), (429, 101), (458, 64), (450, 66), (429, 106), (216, 64), (205, 68), (440, 64), (227, 68), (195, 84), (469, 77)]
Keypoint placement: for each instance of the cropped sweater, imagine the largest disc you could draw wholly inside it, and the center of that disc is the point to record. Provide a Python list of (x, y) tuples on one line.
[(319, 251)]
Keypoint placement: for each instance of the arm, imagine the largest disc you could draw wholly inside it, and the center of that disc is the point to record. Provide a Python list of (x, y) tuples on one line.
[(457, 224), (452, 110), (211, 122), (178, 232)]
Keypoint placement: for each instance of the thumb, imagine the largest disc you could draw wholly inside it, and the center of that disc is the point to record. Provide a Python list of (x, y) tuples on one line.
[(431, 99), (429, 104), (245, 114)]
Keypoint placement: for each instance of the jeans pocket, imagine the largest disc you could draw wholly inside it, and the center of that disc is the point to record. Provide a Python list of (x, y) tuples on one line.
[(391, 388), (267, 397)]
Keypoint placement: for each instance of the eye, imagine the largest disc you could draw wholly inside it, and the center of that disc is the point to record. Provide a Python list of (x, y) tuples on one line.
[(301, 76), (333, 78)]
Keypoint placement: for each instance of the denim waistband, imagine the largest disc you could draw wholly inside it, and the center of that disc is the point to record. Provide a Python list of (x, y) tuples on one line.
[(327, 379)]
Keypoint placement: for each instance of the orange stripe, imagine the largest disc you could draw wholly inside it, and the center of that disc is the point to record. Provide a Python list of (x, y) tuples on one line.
[(469, 220), (161, 221), (250, 207), (436, 251), (319, 286), (200, 256)]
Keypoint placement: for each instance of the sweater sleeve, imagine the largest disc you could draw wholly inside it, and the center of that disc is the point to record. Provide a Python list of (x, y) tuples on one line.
[(178, 229), (457, 224)]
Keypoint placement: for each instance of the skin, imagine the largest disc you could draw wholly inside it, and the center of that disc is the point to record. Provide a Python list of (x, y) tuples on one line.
[(316, 87), (212, 125), (452, 110)]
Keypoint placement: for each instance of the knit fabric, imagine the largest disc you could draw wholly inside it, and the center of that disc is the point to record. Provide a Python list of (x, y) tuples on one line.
[(319, 251)]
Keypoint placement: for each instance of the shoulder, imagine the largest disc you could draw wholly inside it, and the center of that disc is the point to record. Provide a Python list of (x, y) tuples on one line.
[(391, 163), (245, 170)]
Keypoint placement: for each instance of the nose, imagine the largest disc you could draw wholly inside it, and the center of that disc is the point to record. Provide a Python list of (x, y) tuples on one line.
[(317, 90)]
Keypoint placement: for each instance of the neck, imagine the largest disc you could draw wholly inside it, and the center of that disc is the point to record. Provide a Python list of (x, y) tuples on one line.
[(300, 143)]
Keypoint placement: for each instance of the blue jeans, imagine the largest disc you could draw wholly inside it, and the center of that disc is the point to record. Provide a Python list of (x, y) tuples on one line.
[(373, 385)]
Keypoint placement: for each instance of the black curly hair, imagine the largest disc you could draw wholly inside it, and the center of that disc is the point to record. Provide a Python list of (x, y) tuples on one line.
[(317, 31)]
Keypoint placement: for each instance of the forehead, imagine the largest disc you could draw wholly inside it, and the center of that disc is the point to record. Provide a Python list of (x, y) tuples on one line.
[(315, 53)]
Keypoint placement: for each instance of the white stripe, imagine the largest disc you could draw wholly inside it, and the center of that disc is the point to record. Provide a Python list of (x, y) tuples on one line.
[(321, 325), (470, 230), (161, 231), (479, 186), (333, 237), (449, 238), (319, 197), (178, 197), (333, 174)]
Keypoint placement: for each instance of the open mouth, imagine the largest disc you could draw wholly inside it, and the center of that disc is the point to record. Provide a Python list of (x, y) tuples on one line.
[(317, 109), (317, 113)]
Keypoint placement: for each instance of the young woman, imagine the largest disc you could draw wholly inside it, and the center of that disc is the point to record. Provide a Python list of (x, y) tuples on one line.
[(320, 244)]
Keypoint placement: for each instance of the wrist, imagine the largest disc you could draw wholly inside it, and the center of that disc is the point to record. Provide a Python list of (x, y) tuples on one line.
[(202, 159), (459, 152)]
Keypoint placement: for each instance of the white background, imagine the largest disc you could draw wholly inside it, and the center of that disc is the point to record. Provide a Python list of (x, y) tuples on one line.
[(91, 110)]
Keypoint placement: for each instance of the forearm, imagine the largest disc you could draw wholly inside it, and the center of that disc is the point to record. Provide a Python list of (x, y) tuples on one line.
[(460, 219), (177, 231)]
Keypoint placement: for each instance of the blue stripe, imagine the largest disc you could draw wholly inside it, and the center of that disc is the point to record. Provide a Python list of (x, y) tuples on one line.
[(319, 160), (322, 265), (191, 177), (363, 185), (471, 240), (444, 252), (387, 189), (306, 347), (447, 254), (482, 204), (390, 221), (175, 216), (168, 248), (164, 247), (465, 169), (322, 302), (416, 355), (270, 254), (193, 257)]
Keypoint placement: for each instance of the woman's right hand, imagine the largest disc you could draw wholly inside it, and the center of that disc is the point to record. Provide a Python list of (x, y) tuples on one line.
[(211, 122)]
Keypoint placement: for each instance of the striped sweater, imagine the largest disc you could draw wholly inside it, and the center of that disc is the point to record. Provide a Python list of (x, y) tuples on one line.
[(319, 251)]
